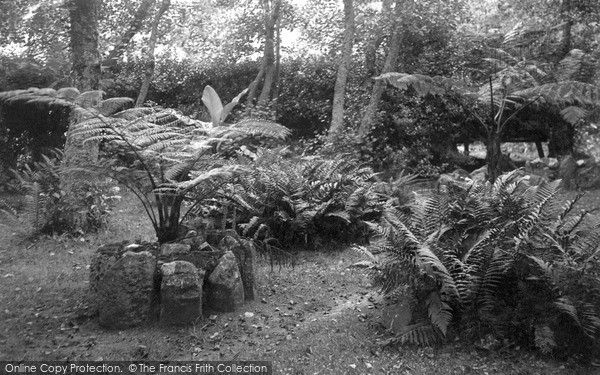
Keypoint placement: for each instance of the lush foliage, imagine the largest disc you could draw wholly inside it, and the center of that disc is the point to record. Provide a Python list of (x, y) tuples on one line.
[(502, 260), (48, 209), (164, 157), (309, 202)]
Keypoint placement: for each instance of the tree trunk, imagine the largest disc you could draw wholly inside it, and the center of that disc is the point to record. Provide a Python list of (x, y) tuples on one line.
[(389, 65), (86, 73), (84, 44), (339, 93), (378, 38), (565, 15), (268, 69), (277, 77), (142, 13), (151, 61)]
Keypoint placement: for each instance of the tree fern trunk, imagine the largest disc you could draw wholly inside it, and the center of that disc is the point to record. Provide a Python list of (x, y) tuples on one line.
[(493, 155)]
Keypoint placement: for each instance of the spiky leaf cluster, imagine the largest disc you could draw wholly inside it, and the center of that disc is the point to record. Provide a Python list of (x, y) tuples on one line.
[(505, 259), (306, 201)]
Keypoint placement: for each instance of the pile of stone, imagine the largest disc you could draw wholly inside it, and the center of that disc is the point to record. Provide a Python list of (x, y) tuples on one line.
[(574, 174), (136, 284)]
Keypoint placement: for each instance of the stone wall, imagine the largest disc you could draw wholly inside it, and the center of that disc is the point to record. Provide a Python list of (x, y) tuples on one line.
[(136, 284)]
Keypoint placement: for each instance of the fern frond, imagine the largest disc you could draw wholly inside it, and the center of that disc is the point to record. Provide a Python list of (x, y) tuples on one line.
[(544, 339), (68, 93), (89, 99), (590, 322), (440, 313), (111, 106), (565, 306), (261, 127), (420, 334)]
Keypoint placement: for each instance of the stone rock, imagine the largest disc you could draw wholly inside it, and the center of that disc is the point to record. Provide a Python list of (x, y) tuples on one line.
[(225, 290), (126, 291), (588, 177), (205, 246), (180, 293), (102, 261), (535, 180), (552, 163), (460, 173), (249, 269), (168, 249), (195, 239), (479, 175), (506, 164), (229, 243), (397, 317), (204, 260), (454, 178), (542, 167), (567, 171)]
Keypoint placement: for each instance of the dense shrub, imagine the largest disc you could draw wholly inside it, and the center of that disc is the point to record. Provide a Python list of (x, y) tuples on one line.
[(48, 209), (28, 130), (505, 261), (304, 104), (309, 201), (21, 73)]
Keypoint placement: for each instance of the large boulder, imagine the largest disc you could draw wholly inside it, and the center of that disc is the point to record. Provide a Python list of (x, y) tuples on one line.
[(168, 249), (249, 269), (225, 290), (126, 292), (459, 177), (543, 167), (245, 254), (479, 175), (204, 260), (180, 293), (588, 176), (567, 171)]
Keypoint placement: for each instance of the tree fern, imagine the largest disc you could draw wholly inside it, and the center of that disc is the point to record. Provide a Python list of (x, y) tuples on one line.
[(174, 157)]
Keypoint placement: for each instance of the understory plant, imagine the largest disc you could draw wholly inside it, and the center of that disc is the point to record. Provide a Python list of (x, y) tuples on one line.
[(505, 261), (48, 209), (307, 201), (168, 160)]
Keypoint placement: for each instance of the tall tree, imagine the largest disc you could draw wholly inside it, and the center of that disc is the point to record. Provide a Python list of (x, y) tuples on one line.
[(377, 37), (566, 17), (150, 59), (339, 94), (400, 7), (84, 43), (142, 13), (266, 74)]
